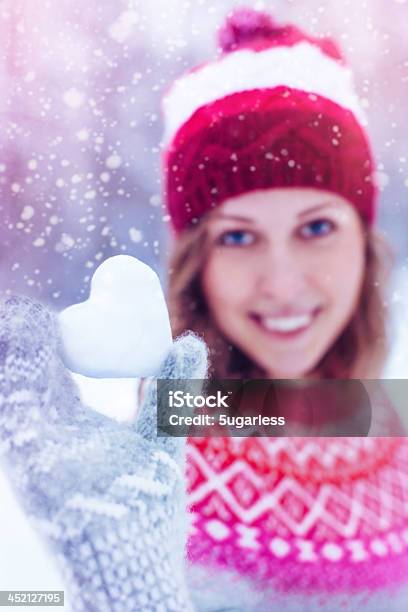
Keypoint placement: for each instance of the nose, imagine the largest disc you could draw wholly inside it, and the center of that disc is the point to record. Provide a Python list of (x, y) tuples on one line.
[(281, 275)]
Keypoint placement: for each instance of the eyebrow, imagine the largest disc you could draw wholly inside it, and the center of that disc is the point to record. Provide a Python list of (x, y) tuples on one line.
[(226, 217), (223, 217), (315, 208)]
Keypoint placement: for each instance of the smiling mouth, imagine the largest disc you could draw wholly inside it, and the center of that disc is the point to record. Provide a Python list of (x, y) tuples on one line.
[(286, 327)]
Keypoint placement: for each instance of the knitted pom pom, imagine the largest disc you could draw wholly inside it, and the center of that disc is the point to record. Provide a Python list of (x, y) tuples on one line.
[(257, 30), (245, 26)]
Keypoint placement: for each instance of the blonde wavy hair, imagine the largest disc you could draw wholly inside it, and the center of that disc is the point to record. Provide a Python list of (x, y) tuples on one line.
[(359, 351)]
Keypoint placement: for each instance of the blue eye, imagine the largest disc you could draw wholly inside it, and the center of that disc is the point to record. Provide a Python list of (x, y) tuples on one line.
[(317, 228), (236, 238)]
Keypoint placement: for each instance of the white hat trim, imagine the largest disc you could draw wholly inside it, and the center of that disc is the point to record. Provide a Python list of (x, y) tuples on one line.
[(303, 66)]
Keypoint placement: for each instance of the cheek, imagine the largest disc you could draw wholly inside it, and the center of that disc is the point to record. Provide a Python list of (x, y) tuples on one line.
[(223, 286), (343, 279)]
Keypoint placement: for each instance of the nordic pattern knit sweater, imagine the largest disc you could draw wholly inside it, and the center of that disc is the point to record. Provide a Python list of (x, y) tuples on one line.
[(301, 524)]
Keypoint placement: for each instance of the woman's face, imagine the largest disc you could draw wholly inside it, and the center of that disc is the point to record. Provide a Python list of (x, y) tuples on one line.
[(284, 274)]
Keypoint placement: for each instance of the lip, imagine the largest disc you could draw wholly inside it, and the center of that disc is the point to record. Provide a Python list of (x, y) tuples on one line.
[(285, 335)]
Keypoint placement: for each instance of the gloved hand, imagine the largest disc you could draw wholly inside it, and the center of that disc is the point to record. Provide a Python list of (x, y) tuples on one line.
[(109, 497)]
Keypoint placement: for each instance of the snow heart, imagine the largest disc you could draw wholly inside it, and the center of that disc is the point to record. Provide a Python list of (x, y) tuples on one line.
[(123, 329)]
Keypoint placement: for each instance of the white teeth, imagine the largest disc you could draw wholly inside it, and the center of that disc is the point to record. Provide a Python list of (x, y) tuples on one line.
[(286, 324)]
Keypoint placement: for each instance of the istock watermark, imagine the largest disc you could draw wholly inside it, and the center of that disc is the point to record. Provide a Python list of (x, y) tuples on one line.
[(274, 408), (180, 399)]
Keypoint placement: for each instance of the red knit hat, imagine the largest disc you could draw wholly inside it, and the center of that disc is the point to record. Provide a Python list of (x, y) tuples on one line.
[(276, 109)]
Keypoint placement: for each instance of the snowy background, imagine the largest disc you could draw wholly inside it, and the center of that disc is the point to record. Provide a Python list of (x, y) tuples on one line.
[(81, 84), (80, 130)]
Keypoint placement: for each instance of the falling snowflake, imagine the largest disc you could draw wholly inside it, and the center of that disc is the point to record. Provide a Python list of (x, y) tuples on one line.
[(135, 235), (123, 27), (27, 213), (65, 243), (113, 161), (83, 135), (155, 200), (73, 98)]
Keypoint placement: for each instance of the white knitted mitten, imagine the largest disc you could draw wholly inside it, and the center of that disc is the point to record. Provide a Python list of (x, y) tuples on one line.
[(108, 496)]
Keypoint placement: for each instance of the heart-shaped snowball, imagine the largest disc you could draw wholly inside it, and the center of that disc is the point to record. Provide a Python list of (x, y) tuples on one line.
[(123, 329)]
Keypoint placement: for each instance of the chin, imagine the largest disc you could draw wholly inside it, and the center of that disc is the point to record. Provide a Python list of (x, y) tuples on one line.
[(295, 375), (292, 371)]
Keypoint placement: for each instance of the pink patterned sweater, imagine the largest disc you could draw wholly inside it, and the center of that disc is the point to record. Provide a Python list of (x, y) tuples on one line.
[(300, 523)]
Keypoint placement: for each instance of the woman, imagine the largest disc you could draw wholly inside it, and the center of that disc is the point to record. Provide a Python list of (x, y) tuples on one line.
[(305, 524), (277, 264)]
